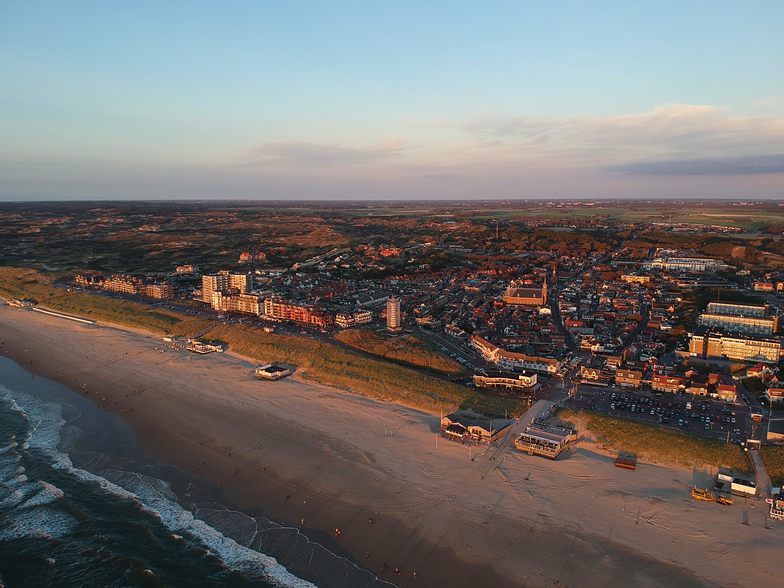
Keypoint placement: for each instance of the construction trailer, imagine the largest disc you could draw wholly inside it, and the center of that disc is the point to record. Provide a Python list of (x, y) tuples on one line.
[(735, 482)]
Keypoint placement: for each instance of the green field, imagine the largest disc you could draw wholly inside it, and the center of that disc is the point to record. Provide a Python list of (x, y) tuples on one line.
[(495, 406), (657, 444), (748, 219), (327, 363)]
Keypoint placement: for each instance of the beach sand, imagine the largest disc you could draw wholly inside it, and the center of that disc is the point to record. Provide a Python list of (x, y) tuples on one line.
[(309, 456)]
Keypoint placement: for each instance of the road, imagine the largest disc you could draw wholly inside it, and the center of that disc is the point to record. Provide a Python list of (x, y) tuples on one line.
[(764, 485), (555, 312), (493, 456)]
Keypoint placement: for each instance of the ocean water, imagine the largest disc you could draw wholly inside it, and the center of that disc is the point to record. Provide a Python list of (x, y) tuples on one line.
[(81, 505)]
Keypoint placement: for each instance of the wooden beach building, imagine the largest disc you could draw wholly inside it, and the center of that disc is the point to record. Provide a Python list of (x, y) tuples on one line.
[(469, 428)]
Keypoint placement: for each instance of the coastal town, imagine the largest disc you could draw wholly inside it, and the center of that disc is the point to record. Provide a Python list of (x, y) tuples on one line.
[(659, 334), (541, 329), (391, 294), (604, 332)]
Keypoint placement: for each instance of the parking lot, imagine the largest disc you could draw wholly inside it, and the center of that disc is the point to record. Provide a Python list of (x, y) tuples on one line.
[(699, 416)]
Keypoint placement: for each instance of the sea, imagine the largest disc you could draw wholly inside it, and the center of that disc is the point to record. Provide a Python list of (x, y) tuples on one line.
[(82, 505)]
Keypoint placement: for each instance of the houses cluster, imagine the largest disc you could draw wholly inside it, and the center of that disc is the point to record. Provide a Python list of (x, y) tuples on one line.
[(675, 378), (524, 312), (604, 315), (126, 284)]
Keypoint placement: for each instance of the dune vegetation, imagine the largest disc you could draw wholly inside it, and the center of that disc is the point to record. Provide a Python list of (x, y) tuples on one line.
[(404, 349), (773, 457), (35, 286), (318, 361), (327, 363), (657, 444)]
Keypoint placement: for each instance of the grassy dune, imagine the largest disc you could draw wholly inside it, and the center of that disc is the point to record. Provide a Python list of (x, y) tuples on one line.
[(773, 457), (330, 364), (495, 406), (406, 349), (657, 444), (319, 361), (26, 283)]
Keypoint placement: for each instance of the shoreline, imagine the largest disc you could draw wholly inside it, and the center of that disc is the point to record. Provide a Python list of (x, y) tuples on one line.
[(292, 450), (275, 493)]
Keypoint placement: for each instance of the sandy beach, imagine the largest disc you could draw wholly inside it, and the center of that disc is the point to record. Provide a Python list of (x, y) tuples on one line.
[(314, 457)]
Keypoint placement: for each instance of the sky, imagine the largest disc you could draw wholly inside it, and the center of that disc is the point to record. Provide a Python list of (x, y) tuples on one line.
[(385, 99)]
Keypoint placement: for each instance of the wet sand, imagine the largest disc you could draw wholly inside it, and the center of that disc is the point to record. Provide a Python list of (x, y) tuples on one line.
[(310, 456)]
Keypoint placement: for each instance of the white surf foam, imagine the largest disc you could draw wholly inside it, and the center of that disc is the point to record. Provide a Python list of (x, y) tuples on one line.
[(45, 424), (37, 523), (46, 495)]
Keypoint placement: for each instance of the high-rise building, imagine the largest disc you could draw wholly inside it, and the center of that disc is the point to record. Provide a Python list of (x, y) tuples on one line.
[(222, 281), (394, 320)]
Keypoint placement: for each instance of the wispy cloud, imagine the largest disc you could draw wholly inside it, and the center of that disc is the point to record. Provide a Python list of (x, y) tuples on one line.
[(667, 132), (288, 154), (741, 165)]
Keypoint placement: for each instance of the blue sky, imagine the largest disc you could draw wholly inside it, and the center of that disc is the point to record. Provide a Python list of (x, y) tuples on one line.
[(390, 99)]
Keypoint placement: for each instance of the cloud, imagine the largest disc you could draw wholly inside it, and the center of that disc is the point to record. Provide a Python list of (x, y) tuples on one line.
[(741, 165), (289, 154), (673, 131), (438, 176)]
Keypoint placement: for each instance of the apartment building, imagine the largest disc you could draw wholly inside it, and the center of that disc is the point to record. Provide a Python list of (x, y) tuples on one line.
[(523, 382), (738, 309), (687, 264), (709, 344), (667, 383), (509, 360), (347, 320), (635, 279), (763, 287), (240, 302), (223, 281), (628, 378), (751, 319), (740, 324), (161, 291), (123, 283), (278, 309)]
